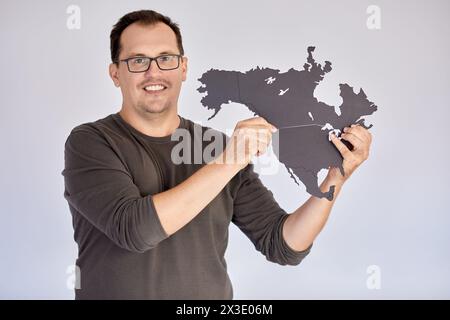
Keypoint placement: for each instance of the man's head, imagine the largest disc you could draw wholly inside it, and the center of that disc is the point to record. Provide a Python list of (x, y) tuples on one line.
[(149, 34)]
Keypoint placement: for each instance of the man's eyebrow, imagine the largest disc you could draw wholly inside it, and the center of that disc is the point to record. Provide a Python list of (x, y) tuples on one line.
[(135, 54), (167, 52), (132, 54)]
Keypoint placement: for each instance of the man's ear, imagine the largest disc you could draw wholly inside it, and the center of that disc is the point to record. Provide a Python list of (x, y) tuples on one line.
[(114, 74), (184, 68)]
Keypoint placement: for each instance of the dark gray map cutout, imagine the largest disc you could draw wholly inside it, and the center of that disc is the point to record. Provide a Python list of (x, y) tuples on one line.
[(287, 101)]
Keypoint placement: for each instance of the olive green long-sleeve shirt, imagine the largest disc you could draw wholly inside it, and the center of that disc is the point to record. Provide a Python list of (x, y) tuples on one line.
[(112, 172)]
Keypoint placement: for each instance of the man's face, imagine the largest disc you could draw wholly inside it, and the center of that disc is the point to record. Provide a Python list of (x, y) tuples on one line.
[(150, 41)]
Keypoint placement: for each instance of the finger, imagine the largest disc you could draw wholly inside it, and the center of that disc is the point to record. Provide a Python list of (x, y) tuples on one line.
[(268, 126), (258, 146), (353, 139), (259, 129), (355, 130), (255, 129), (342, 148), (257, 121), (264, 140), (361, 132), (262, 148), (259, 126), (364, 132), (256, 136)]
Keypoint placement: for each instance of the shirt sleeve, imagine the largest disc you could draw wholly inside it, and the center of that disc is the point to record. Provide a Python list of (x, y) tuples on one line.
[(98, 186), (261, 219)]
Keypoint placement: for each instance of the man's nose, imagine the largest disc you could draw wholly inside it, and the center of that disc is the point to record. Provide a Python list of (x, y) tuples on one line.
[(153, 68)]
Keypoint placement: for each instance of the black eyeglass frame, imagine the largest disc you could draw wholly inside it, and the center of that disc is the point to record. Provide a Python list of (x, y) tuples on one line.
[(150, 63)]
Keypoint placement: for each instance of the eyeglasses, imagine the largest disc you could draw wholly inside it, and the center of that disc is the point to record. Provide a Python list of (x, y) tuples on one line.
[(142, 64)]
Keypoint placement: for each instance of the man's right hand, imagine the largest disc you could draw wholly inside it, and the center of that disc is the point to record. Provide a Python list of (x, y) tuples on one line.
[(251, 137), (180, 204)]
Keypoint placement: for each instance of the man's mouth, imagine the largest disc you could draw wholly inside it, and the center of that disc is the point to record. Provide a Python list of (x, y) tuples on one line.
[(155, 88)]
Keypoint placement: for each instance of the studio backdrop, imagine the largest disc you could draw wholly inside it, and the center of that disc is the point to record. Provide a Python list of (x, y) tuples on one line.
[(388, 234)]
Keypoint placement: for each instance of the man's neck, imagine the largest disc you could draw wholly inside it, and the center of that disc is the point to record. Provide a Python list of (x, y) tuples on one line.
[(154, 125)]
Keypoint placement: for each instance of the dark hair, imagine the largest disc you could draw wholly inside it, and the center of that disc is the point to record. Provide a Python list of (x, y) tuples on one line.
[(145, 17)]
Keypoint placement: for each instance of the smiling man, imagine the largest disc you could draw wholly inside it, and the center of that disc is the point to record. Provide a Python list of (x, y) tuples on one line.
[(148, 228)]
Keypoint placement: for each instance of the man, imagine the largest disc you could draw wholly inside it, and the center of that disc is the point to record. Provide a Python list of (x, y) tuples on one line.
[(148, 228)]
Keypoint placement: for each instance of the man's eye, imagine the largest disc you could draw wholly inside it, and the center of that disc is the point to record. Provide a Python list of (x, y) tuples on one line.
[(138, 61), (165, 58)]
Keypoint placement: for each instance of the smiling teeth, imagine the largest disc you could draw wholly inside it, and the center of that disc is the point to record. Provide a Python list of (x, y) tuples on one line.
[(154, 87)]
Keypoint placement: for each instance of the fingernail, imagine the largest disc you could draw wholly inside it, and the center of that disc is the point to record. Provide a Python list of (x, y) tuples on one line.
[(274, 129)]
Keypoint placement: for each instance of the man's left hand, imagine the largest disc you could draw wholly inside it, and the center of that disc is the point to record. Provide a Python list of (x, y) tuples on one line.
[(361, 139)]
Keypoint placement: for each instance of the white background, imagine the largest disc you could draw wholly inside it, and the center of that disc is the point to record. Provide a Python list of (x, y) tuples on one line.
[(392, 213)]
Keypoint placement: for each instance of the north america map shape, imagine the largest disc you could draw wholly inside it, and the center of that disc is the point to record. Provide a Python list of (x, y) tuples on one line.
[(287, 101)]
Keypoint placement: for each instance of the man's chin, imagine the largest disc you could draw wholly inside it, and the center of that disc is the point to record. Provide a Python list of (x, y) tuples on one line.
[(153, 109)]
